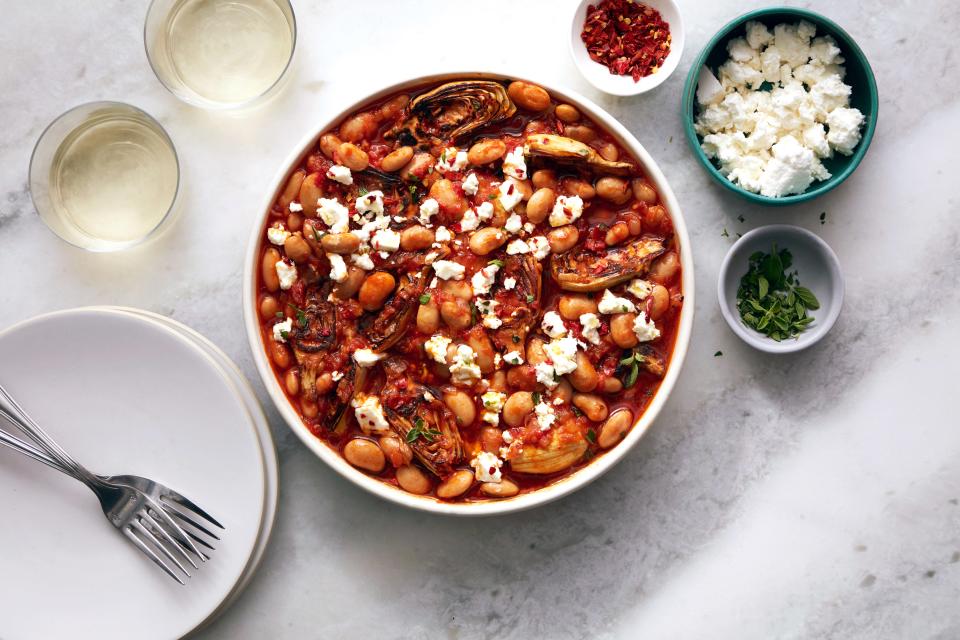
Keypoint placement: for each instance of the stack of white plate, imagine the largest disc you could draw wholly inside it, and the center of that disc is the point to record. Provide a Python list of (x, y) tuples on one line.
[(126, 391)]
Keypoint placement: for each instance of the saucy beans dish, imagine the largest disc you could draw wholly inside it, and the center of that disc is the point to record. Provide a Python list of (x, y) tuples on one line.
[(469, 290)]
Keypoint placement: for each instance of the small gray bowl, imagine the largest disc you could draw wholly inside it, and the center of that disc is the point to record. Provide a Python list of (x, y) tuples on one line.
[(818, 270)]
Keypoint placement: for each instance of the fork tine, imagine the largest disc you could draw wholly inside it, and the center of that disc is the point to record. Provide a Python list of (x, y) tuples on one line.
[(172, 527), (137, 523), (185, 502), (128, 532), (193, 523), (155, 525)]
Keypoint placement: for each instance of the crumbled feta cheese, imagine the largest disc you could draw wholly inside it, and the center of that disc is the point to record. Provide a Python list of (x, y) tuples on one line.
[(452, 159), (470, 185), (844, 133), (487, 467), (295, 207), (369, 414), (464, 369), (507, 436), (611, 303), (645, 329), (513, 224), (758, 34), (470, 221), (591, 325), (545, 416), (428, 396), (509, 283), (334, 215), (510, 194), (485, 211), (483, 280), (552, 324), (341, 174), (448, 270), (282, 329), (277, 234), (428, 208), (366, 357), (539, 246), (709, 89), (789, 171), (370, 202), (436, 347), (287, 273), (529, 227), (443, 234), (513, 358), (362, 260), (517, 246), (338, 268), (566, 209), (337, 376), (561, 359), (493, 401), (640, 288), (514, 164), (385, 240), (488, 310)]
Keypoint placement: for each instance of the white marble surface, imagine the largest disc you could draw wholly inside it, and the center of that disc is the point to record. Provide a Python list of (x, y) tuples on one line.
[(812, 495)]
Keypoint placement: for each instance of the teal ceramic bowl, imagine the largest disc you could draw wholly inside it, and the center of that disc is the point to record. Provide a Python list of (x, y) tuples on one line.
[(859, 76)]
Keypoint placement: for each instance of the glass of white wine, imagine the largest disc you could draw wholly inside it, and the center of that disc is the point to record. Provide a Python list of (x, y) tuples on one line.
[(220, 54), (104, 176)]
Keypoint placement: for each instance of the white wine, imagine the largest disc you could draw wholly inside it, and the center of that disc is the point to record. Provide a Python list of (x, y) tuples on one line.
[(227, 51), (112, 180)]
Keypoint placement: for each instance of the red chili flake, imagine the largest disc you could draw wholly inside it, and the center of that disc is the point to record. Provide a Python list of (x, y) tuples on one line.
[(627, 37)]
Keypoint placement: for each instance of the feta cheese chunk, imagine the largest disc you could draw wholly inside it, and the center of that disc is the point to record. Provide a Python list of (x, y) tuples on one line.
[(448, 269), (295, 207), (517, 247), (338, 268), (561, 360), (513, 358), (514, 164), (287, 273), (545, 415), (277, 234), (566, 209), (645, 329), (709, 89), (362, 260), (640, 288), (492, 406), (436, 347), (370, 202), (369, 414), (487, 467), (483, 280), (470, 220), (611, 303), (470, 185), (464, 369), (488, 310), (443, 234), (539, 246), (510, 194), (452, 159), (366, 358), (844, 129), (485, 211), (513, 224), (341, 174), (334, 215), (385, 240), (591, 327), (282, 329), (552, 325), (428, 208), (509, 283)]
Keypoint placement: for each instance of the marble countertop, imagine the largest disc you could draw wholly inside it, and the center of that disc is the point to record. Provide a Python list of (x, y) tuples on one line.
[(800, 496)]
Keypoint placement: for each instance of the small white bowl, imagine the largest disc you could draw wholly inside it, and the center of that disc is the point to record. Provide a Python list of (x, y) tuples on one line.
[(818, 270), (601, 78)]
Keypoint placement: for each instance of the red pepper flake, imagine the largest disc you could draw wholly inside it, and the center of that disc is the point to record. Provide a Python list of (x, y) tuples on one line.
[(627, 37)]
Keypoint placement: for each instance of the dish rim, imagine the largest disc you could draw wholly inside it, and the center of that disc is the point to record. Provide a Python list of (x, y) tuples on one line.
[(830, 263), (848, 44), (523, 501), (646, 83)]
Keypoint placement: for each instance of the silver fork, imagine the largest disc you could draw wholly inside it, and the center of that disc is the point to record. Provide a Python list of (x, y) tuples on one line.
[(143, 510)]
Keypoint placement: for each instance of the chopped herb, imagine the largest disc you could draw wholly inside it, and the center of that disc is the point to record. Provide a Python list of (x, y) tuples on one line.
[(496, 263), (631, 378), (301, 315), (530, 297), (725, 233), (823, 218), (363, 191), (316, 234), (413, 190), (491, 196), (770, 299), (516, 339), (591, 436), (741, 218), (279, 314), (536, 397), (425, 298), (418, 431), (718, 354), (576, 411), (284, 334)]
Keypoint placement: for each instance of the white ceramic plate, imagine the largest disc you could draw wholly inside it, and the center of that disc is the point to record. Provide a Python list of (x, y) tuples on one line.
[(271, 471), (124, 395), (553, 491)]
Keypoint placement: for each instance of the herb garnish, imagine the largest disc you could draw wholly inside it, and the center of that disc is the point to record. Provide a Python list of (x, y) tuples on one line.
[(770, 299), (823, 218), (301, 316), (718, 354), (530, 297), (591, 435), (496, 263), (279, 314), (536, 397), (419, 431), (425, 298), (632, 361)]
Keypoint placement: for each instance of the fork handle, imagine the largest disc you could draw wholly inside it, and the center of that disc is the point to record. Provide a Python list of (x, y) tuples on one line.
[(28, 450), (14, 413)]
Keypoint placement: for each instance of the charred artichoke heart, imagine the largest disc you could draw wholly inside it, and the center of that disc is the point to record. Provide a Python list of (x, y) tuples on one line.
[(583, 270), (573, 151), (453, 110)]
